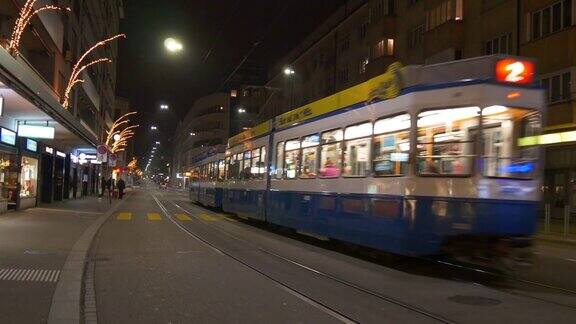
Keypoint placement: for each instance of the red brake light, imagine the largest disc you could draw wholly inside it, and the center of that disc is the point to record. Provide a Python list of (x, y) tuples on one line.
[(515, 71)]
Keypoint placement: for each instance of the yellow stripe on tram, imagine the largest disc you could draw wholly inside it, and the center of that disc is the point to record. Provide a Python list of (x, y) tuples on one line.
[(124, 216), (183, 217), (154, 217)]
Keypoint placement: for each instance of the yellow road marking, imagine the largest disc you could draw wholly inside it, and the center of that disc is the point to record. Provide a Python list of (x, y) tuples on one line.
[(183, 217), (124, 216), (206, 217), (154, 217)]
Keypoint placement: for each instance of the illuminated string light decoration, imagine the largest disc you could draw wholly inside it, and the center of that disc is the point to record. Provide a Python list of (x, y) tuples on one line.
[(80, 67), (133, 165), (120, 133), (26, 14)]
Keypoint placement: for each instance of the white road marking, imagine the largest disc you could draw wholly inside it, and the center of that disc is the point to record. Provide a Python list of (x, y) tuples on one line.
[(37, 275)]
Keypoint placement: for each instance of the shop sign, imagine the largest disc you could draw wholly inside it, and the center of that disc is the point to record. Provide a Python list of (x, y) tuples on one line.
[(7, 136), (49, 150), (34, 131), (31, 145), (61, 154)]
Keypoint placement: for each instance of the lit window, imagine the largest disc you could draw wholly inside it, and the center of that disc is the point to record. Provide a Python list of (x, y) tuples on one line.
[(292, 158), (357, 150), (279, 160), (309, 156), (446, 140), (391, 146), (331, 153)]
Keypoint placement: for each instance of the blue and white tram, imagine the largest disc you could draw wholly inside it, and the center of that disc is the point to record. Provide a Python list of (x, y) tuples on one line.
[(246, 173), (433, 164), (208, 175)]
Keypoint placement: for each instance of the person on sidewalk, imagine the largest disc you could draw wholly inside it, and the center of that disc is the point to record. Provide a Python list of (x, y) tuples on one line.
[(121, 186)]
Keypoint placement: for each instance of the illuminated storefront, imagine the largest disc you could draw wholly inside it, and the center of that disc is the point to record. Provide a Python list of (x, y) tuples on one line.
[(28, 174)]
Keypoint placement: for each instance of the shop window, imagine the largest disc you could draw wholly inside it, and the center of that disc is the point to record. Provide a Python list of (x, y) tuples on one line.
[(331, 153), (446, 140), (28, 177), (357, 150), (309, 156), (391, 146), (279, 160), (292, 158)]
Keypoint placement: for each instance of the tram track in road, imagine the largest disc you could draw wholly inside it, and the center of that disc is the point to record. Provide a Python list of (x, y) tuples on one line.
[(495, 275), (302, 295)]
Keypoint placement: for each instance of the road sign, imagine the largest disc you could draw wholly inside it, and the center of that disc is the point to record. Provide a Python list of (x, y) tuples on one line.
[(112, 159), (102, 153)]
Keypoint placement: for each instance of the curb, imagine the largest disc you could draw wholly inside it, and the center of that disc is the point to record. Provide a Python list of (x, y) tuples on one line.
[(569, 242), (66, 301)]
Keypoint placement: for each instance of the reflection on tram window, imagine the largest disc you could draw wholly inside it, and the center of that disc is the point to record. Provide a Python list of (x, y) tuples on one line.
[(258, 163), (230, 168), (245, 170), (309, 156), (292, 158), (446, 140), (331, 153), (502, 127), (279, 160), (357, 150), (263, 167), (391, 146)]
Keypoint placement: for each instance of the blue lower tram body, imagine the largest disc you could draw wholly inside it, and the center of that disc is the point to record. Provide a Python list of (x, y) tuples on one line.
[(398, 224)]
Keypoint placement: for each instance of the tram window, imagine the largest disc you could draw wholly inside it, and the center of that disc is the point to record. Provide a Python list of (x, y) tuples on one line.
[(331, 153), (221, 170), (279, 160), (391, 146), (503, 127), (255, 163), (263, 167), (446, 140), (309, 156), (245, 172), (357, 150), (229, 168), (292, 158)]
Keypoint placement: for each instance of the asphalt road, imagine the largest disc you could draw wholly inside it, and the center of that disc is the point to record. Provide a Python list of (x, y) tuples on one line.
[(163, 260)]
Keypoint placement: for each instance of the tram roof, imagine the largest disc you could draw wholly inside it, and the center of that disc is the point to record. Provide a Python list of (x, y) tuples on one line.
[(390, 84)]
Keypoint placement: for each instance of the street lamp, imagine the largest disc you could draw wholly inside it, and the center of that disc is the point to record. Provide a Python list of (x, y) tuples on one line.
[(241, 110), (173, 45), (192, 134), (157, 143), (288, 71), (164, 107), (153, 128)]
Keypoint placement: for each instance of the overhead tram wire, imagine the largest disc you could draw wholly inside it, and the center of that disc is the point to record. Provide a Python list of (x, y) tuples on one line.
[(255, 45), (219, 34)]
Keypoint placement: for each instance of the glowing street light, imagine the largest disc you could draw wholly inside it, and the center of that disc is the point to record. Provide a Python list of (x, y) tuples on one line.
[(241, 110), (153, 128), (192, 134), (173, 45), (164, 107), (157, 143), (288, 71)]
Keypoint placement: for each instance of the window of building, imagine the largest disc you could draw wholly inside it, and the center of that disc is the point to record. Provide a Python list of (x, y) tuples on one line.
[(558, 86), (416, 36), (446, 11), (292, 158), (499, 45), (383, 47), (363, 65), (446, 140), (391, 146), (357, 150), (331, 153), (362, 30), (309, 146), (551, 19), (279, 160)]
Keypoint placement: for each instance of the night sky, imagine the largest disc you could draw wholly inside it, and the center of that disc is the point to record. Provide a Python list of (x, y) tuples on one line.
[(148, 75)]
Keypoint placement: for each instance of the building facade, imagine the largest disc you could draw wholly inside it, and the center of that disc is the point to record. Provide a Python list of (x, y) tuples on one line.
[(206, 124), (61, 165)]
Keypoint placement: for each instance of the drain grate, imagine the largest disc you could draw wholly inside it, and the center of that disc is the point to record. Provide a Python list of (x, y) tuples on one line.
[(474, 300)]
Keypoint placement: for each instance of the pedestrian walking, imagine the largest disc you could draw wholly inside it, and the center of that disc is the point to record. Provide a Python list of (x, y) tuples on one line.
[(121, 186)]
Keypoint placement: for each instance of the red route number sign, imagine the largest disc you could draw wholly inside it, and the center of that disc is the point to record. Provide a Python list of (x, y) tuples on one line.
[(515, 71)]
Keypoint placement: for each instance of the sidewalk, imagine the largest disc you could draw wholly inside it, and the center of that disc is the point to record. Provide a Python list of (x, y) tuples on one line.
[(556, 232), (34, 245)]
